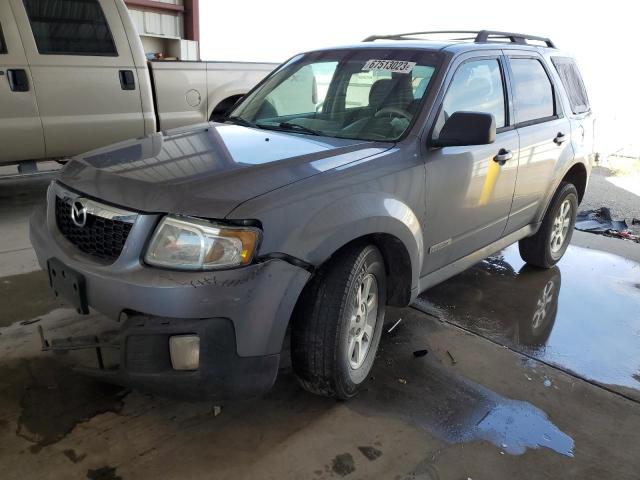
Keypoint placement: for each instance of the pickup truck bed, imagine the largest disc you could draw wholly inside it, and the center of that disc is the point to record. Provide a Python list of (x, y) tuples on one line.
[(178, 87), (63, 96)]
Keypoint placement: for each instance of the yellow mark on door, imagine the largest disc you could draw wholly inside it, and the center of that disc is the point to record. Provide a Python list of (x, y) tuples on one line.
[(489, 182)]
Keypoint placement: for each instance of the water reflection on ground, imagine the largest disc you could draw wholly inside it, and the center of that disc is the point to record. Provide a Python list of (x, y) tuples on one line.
[(437, 398), (582, 315)]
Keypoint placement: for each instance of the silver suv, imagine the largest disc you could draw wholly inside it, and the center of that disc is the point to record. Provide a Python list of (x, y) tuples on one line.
[(350, 179)]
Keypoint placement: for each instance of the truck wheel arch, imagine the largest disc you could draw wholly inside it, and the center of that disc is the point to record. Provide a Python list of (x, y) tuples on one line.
[(576, 174), (396, 232), (223, 106)]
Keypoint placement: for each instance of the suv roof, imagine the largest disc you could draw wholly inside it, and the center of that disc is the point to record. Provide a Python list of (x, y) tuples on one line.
[(458, 41), (480, 36)]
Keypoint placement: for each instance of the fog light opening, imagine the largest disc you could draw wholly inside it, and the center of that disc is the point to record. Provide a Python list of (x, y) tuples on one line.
[(185, 352)]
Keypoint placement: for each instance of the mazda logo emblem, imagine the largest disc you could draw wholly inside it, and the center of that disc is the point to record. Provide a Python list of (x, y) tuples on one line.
[(78, 213)]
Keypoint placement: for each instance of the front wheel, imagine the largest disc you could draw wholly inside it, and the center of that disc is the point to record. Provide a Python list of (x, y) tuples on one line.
[(547, 246), (338, 323)]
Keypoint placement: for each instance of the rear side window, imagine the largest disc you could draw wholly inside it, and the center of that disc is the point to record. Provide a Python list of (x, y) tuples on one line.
[(70, 27), (533, 90), (3, 46), (573, 84)]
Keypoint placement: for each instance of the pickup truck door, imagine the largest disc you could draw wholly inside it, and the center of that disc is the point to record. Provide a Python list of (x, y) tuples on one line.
[(470, 188), (544, 133), (20, 128), (83, 72)]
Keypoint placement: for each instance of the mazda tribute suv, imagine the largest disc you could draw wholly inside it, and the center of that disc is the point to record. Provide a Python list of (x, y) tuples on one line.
[(350, 179)]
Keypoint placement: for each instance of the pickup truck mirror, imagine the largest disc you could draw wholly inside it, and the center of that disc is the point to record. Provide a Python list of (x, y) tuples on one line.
[(467, 128), (314, 91)]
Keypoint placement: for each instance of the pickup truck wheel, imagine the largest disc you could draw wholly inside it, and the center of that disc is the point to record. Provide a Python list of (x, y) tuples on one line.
[(547, 246), (338, 323)]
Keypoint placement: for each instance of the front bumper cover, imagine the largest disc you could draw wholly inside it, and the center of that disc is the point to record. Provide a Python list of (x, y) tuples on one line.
[(145, 363), (242, 313), (258, 299)]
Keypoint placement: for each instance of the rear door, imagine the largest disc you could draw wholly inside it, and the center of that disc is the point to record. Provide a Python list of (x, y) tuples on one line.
[(20, 128), (469, 190), (83, 72), (544, 132)]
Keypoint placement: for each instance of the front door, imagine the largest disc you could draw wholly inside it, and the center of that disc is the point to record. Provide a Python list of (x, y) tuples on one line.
[(83, 72), (20, 128), (470, 188)]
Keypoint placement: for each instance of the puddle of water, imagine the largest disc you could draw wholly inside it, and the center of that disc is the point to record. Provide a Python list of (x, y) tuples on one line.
[(54, 399), (515, 426), (582, 315), (450, 406)]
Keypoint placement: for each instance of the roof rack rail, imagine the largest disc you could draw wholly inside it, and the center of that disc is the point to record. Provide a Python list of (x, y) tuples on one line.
[(478, 36)]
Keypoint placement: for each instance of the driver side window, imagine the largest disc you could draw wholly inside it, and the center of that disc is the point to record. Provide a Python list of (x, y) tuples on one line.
[(476, 87)]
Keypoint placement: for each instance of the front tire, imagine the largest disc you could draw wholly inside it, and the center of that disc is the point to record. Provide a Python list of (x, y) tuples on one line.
[(338, 323), (547, 246)]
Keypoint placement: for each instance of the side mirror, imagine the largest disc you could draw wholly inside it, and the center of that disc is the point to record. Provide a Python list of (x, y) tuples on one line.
[(467, 128)]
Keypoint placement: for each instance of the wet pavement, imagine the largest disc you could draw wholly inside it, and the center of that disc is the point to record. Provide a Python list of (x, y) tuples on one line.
[(582, 315), (502, 372)]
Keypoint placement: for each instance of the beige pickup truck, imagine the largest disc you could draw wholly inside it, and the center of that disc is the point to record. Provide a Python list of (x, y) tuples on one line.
[(74, 77)]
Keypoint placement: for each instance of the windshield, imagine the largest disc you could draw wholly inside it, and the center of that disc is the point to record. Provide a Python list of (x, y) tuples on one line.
[(368, 94)]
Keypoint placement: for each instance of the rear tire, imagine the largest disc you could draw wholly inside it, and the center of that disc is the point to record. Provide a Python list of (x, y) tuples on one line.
[(547, 246), (338, 323)]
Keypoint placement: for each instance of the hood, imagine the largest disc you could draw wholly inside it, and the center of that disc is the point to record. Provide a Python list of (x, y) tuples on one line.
[(206, 170)]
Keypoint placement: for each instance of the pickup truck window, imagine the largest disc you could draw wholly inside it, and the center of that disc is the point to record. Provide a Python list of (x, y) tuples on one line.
[(70, 27), (301, 93), (573, 84), (533, 90), (360, 87), (371, 94), (3, 46)]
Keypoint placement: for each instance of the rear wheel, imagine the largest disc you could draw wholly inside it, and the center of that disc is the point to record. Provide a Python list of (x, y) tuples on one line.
[(338, 323), (547, 246)]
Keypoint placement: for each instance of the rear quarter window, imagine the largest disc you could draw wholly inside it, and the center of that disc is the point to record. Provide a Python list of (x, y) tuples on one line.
[(70, 27), (572, 83), (533, 90)]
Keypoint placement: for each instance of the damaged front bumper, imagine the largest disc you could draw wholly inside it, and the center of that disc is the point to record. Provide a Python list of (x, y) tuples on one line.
[(240, 315)]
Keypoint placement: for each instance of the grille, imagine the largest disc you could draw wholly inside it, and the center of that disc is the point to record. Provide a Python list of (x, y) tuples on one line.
[(101, 237)]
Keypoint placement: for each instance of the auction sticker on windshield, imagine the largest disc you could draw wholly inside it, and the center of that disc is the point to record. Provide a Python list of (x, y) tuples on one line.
[(395, 66)]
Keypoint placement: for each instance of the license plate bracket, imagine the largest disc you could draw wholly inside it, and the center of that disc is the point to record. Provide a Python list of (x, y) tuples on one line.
[(68, 284)]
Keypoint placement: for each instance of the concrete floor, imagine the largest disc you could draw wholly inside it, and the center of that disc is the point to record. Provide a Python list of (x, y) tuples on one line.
[(502, 372)]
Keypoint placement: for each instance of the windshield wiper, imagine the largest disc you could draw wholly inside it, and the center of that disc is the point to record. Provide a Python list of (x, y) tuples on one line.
[(288, 126), (239, 121), (297, 126)]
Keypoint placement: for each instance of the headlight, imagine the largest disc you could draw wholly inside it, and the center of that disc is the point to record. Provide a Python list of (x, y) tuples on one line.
[(193, 244)]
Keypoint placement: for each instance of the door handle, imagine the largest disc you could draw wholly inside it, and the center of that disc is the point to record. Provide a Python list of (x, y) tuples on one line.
[(560, 138), (502, 156), (18, 80), (127, 80)]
